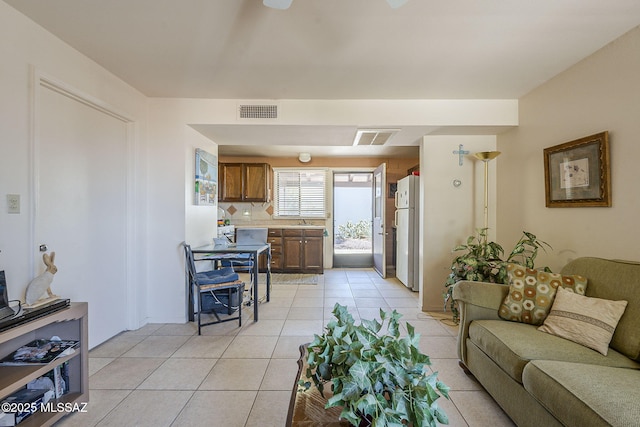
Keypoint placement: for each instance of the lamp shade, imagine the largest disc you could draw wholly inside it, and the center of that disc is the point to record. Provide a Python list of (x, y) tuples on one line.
[(486, 156)]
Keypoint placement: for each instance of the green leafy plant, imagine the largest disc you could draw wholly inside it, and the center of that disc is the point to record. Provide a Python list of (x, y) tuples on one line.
[(357, 230), (374, 373), (482, 261)]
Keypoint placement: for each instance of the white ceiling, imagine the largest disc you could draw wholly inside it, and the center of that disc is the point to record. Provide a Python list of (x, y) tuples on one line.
[(332, 49)]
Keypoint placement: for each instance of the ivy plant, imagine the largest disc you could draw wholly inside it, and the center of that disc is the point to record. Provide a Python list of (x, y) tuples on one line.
[(374, 373), (482, 261)]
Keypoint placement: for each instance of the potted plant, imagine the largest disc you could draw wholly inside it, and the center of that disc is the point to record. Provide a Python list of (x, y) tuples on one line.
[(378, 377), (482, 261)]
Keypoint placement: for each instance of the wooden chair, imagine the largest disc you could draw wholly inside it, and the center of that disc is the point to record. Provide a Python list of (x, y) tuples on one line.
[(213, 283)]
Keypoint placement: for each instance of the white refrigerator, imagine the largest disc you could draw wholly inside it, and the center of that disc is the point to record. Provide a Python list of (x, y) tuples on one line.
[(407, 222)]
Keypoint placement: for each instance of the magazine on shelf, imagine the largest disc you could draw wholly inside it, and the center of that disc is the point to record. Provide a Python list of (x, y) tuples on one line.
[(22, 404), (40, 352)]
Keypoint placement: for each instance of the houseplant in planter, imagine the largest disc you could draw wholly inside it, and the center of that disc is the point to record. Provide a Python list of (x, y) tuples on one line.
[(482, 261), (378, 377)]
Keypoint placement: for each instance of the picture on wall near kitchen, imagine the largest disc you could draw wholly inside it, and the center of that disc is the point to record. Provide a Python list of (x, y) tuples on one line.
[(577, 173), (206, 182)]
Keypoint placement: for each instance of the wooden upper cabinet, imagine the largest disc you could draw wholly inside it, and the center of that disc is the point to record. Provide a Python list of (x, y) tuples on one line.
[(256, 182), (244, 182), (230, 181)]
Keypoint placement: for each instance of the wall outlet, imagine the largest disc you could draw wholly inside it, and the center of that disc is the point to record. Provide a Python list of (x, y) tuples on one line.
[(13, 203)]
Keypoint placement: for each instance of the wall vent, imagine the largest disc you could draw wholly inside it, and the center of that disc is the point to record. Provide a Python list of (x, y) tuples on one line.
[(260, 111), (374, 136)]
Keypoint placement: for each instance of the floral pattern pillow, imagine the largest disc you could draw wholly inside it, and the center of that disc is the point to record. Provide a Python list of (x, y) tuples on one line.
[(531, 293)]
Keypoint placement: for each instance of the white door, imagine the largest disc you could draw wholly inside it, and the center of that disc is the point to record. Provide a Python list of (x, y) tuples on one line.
[(81, 214), (402, 245), (379, 226)]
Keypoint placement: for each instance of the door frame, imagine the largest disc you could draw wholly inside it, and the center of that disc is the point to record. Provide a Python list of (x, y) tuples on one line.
[(329, 226), (380, 267), (366, 259)]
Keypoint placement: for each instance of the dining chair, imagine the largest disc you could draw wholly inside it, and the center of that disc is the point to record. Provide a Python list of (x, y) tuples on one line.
[(212, 285)]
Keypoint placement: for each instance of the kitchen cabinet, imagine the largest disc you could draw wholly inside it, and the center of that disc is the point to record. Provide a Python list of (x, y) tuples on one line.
[(292, 249), (274, 238), (313, 251), (244, 182), (295, 250), (302, 250)]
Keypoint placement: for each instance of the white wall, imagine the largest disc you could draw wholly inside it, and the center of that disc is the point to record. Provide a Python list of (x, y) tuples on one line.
[(450, 213), (26, 49), (173, 217), (600, 93)]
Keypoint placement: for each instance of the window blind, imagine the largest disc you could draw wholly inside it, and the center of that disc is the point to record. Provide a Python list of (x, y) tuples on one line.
[(300, 193)]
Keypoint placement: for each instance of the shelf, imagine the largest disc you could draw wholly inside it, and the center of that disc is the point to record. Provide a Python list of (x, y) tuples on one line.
[(69, 324), (49, 418), (13, 375)]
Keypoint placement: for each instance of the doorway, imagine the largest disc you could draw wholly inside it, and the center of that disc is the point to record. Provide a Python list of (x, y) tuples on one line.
[(352, 219)]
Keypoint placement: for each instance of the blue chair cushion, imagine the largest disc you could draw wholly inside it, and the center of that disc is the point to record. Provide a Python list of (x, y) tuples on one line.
[(215, 277)]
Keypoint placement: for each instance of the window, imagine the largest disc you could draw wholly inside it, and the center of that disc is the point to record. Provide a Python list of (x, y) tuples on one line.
[(300, 193)]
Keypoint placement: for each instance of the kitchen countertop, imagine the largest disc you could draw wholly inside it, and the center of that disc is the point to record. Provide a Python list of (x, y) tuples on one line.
[(280, 226)]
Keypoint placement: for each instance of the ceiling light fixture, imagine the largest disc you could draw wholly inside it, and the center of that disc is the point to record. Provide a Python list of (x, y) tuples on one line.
[(304, 157), (285, 4), (396, 3), (277, 4)]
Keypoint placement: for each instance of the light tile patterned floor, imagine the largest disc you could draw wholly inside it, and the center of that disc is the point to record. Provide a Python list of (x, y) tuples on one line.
[(167, 375)]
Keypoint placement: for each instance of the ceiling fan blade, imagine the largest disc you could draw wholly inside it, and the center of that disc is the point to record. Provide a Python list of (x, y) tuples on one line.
[(277, 4), (395, 3)]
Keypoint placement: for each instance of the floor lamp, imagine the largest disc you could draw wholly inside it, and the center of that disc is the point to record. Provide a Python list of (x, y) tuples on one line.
[(486, 157)]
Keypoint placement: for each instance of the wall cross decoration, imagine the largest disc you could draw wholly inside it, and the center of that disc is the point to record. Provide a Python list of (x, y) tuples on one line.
[(461, 153)]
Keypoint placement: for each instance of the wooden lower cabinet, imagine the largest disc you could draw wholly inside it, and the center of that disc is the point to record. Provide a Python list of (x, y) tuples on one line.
[(296, 250), (274, 238), (292, 250), (313, 254)]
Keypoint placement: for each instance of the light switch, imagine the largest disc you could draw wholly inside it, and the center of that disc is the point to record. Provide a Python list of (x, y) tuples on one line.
[(13, 203)]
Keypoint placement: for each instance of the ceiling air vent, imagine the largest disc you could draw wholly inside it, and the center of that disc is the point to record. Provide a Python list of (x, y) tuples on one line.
[(260, 111), (374, 136)]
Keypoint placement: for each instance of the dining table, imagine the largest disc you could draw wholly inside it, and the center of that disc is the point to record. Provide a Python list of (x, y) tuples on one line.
[(219, 252)]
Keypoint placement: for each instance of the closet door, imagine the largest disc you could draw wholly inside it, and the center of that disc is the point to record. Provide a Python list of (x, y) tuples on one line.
[(81, 205)]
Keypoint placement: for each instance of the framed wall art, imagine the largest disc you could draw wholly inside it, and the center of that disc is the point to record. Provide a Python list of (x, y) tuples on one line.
[(576, 173), (206, 180)]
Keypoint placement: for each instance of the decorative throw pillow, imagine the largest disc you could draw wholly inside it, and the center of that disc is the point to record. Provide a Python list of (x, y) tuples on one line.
[(531, 293), (590, 322)]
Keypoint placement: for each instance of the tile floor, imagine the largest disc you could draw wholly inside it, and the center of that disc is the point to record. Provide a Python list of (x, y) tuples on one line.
[(167, 375)]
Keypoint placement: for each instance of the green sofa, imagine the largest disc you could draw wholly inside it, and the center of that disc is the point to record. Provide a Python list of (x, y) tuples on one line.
[(543, 380)]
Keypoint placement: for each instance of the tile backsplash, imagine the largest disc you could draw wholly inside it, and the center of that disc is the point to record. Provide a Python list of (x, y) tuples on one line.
[(258, 214)]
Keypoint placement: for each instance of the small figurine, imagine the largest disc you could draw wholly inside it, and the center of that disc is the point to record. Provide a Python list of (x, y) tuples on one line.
[(41, 284)]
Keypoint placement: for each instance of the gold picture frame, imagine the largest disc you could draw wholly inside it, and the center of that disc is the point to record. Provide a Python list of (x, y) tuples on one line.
[(576, 173)]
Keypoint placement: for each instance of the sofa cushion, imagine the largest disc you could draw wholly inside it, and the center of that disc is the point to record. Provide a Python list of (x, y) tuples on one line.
[(587, 321), (580, 394), (531, 293), (512, 345), (615, 280)]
